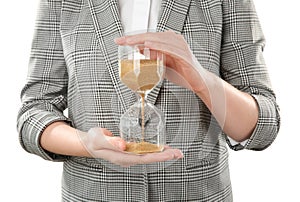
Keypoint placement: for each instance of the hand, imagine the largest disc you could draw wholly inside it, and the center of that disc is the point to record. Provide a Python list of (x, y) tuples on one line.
[(182, 66), (100, 143)]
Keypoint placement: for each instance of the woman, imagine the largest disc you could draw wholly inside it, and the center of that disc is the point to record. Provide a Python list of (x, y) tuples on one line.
[(216, 90)]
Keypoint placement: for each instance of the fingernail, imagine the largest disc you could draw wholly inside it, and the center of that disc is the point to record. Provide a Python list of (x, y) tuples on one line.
[(180, 155)]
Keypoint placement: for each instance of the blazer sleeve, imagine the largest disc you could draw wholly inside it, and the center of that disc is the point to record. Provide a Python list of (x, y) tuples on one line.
[(243, 66), (44, 95)]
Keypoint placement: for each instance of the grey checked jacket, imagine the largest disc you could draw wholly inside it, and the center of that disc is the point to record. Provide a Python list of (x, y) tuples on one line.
[(74, 65)]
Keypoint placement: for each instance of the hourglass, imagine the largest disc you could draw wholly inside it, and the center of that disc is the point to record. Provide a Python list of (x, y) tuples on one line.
[(142, 126)]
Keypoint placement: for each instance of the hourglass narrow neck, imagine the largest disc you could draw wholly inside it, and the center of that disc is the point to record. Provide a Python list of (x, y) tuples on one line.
[(142, 95)]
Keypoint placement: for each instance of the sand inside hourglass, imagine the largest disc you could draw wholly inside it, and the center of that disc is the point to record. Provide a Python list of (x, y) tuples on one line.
[(140, 80)]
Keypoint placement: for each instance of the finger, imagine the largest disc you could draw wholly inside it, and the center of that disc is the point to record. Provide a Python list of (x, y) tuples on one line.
[(166, 155), (189, 64), (101, 138), (125, 160), (116, 143), (172, 51), (106, 132), (167, 37), (97, 130), (135, 39)]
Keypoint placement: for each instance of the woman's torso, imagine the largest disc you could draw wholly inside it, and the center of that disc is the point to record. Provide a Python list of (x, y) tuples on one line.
[(96, 97)]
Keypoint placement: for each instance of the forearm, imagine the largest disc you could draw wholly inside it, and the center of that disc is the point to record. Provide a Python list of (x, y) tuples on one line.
[(62, 139), (236, 111)]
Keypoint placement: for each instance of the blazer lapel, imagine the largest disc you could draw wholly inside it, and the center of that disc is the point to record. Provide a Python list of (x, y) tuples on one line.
[(107, 24), (172, 17)]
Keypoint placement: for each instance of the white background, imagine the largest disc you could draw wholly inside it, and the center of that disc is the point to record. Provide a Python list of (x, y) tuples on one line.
[(271, 175)]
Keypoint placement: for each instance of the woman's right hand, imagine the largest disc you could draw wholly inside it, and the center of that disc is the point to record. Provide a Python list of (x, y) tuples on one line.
[(100, 143)]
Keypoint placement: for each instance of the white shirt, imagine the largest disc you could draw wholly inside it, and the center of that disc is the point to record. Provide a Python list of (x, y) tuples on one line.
[(140, 15)]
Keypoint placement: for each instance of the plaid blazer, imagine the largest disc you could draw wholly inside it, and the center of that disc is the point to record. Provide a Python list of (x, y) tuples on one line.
[(74, 65)]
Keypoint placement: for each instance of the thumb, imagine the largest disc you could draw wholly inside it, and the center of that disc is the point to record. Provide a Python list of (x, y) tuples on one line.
[(104, 139), (115, 143)]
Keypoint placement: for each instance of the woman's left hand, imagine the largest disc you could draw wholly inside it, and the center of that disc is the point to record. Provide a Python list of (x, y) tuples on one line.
[(182, 67)]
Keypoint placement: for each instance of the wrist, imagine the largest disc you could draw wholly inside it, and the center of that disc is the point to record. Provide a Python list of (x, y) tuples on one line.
[(207, 87), (60, 138)]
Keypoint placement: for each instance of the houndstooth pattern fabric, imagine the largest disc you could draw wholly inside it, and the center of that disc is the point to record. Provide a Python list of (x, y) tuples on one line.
[(74, 65)]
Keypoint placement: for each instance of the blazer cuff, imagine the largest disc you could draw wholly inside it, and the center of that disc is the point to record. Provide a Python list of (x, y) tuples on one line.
[(30, 132), (267, 126)]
